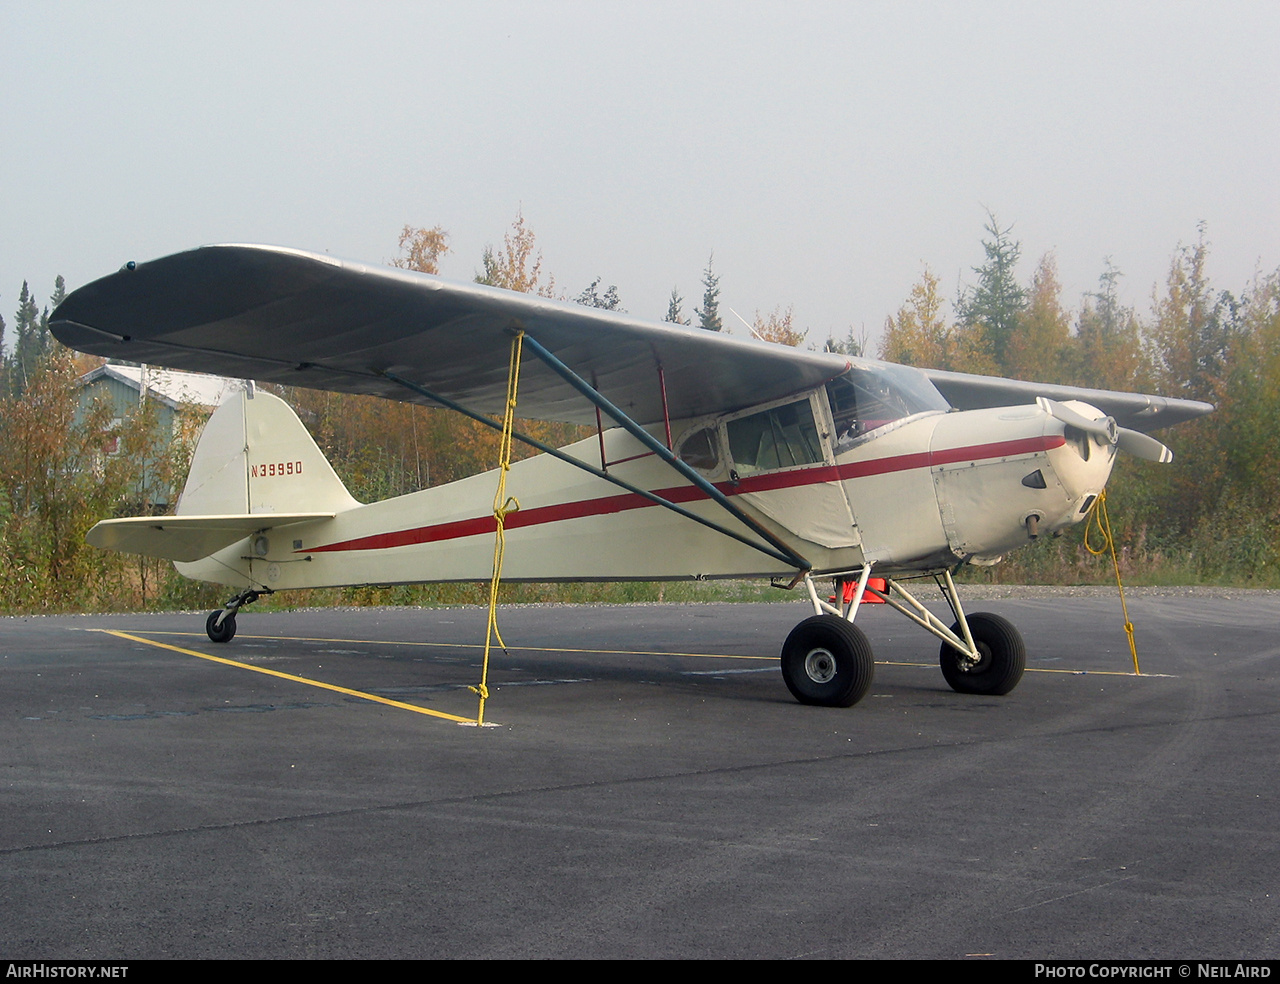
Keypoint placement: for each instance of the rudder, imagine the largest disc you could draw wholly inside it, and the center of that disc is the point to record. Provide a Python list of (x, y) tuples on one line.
[(255, 456)]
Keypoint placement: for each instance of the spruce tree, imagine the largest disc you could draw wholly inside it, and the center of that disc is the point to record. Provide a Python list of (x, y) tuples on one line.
[(675, 314), (5, 373), (709, 314), (609, 300), (989, 311), (30, 344)]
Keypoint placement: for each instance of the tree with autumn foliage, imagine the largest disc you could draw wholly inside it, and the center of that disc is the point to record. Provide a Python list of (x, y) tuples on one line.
[(778, 327), (919, 335), (383, 448), (63, 467), (518, 265), (421, 249), (1040, 345)]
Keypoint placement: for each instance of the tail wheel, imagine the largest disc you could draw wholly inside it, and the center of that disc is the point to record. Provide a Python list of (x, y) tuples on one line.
[(220, 633), (1003, 657), (827, 661)]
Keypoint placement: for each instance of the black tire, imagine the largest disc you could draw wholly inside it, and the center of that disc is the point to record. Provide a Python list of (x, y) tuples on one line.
[(827, 661), (220, 633), (1004, 657)]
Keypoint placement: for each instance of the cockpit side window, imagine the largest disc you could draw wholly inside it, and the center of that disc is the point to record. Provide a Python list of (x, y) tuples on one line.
[(781, 437)]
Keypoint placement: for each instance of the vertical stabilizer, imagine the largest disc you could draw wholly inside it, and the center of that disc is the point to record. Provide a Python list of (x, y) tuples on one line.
[(255, 456)]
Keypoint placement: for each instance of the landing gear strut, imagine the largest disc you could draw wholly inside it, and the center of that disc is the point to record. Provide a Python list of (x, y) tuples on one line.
[(827, 661), (221, 623)]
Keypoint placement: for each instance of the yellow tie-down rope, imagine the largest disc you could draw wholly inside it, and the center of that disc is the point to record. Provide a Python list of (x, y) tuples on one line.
[(1098, 518), (502, 505)]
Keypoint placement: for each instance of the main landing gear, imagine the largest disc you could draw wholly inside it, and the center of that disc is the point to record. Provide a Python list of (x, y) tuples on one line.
[(1001, 657), (827, 661), (221, 623)]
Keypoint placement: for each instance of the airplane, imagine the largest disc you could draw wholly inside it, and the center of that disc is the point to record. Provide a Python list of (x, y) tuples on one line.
[(712, 457)]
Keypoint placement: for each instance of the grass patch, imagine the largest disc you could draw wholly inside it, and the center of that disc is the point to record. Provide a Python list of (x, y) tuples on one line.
[(587, 593)]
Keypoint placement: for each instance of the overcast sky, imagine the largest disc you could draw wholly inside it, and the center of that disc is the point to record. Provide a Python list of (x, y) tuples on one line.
[(825, 152)]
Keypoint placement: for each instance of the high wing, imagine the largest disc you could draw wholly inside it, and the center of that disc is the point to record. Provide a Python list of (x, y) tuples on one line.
[(1137, 411), (301, 319)]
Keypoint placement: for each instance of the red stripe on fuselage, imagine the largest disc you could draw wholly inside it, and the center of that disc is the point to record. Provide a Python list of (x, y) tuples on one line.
[(606, 505)]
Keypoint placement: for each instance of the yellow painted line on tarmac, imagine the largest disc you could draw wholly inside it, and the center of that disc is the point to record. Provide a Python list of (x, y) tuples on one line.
[(647, 653), (288, 676), (471, 645), (1119, 673)]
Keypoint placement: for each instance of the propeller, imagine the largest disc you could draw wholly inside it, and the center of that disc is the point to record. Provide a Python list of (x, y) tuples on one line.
[(1142, 445), (1136, 443)]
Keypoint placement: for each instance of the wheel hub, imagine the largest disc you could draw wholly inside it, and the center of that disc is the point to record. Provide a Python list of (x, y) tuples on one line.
[(969, 665), (820, 666)]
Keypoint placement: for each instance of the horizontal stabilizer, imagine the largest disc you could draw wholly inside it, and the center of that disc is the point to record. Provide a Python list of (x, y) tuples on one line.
[(187, 538)]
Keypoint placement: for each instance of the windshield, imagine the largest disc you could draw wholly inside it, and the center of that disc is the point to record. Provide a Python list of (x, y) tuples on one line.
[(864, 399)]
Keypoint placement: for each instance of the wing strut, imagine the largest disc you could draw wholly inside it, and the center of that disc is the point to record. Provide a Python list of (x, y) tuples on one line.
[(783, 554), (780, 550)]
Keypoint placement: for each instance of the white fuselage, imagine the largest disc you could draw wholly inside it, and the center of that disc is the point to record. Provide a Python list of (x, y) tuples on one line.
[(918, 494)]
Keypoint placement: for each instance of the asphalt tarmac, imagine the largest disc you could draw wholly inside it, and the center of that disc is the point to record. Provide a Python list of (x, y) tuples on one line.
[(648, 789)]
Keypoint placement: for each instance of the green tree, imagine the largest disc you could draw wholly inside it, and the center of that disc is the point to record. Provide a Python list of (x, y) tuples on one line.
[(4, 363), (709, 313), (1188, 344), (849, 345), (989, 311), (1108, 343), (1250, 414), (31, 340), (675, 314), (608, 301), (44, 338)]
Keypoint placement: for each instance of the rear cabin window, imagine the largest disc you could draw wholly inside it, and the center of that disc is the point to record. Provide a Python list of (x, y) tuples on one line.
[(701, 449), (778, 438)]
